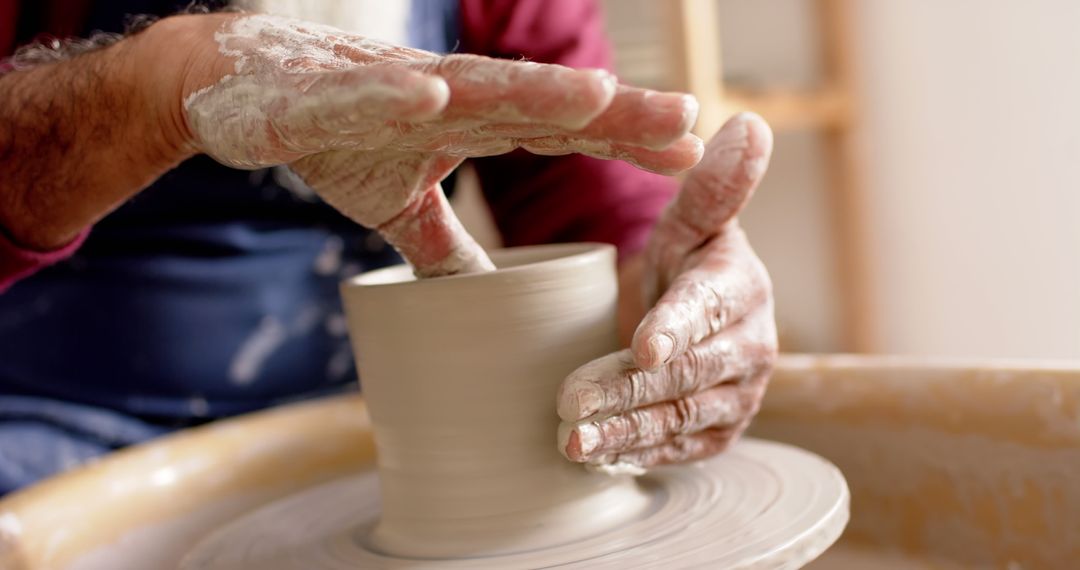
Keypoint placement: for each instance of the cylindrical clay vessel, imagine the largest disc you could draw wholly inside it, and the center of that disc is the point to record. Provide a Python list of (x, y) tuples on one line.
[(460, 375)]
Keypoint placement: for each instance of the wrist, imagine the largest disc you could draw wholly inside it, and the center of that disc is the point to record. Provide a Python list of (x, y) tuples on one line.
[(170, 60)]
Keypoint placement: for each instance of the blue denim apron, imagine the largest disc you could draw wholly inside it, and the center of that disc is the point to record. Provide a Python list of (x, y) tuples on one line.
[(211, 293)]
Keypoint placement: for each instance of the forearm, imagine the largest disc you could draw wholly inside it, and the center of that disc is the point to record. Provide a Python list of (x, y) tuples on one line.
[(78, 138)]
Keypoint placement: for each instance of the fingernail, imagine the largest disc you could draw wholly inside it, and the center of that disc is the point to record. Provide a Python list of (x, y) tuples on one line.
[(586, 399), (588, 436), (684, 105), (661, 347)]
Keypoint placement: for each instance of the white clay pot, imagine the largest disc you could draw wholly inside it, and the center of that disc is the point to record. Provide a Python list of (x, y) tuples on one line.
[(460, 375)]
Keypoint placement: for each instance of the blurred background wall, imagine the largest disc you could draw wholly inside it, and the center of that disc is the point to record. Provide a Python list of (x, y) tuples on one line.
[(924, 196), (971, 152), (966, 156)]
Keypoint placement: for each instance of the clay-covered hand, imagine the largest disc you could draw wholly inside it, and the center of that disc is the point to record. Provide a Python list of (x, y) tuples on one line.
[(373, 127), (700, 359)]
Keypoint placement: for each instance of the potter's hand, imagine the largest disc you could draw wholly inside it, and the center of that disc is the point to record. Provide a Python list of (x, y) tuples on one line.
[(373, 128), (700, 359)]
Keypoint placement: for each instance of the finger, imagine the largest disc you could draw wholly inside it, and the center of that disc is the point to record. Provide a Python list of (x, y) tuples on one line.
[(383, 92), (680, 449), (714, 192), (398, 194), (636, 122), (635, 117), (373, 187), (433, 138), (681, 155), (429, 236), (338, 109), (719, 406), (645, 118), (504, 91), (613, 384)]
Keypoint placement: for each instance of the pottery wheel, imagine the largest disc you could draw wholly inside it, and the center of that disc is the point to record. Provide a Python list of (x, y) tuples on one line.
[(760, 505)]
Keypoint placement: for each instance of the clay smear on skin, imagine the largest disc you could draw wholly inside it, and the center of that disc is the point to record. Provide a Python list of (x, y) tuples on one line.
[(267, 47), (264, 46)]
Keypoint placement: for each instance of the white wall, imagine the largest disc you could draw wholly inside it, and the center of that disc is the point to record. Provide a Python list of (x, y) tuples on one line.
[(970, 144), (971, 135)]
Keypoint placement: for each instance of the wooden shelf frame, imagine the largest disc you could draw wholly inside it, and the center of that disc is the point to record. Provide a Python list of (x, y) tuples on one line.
[(829, 109), (824, 108)]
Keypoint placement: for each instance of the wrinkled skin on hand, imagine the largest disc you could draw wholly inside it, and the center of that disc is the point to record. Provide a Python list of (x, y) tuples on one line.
[(700, 359), (373, 128)]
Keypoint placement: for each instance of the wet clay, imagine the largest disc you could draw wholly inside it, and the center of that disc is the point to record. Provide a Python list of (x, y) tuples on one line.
[(460, 375), (760, 505)]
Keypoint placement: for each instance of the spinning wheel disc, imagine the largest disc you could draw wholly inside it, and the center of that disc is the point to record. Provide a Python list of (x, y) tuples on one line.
[(760, 505)]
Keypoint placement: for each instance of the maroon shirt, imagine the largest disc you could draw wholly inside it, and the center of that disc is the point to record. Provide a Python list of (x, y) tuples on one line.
[(533, 199)]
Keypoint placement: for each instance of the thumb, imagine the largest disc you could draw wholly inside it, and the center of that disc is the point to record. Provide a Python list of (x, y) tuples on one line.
[(429, 235), (714, 192), (722, 183), (398, 195)]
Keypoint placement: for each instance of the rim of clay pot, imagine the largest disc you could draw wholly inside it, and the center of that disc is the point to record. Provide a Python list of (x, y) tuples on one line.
[(508, 261)]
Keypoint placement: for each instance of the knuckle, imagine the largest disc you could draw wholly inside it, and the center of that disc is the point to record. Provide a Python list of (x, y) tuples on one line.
[(686, 371), (299, 63), (700, 303), (457, 65), (640, 427), (624, 359), (686, 417), (637, 388), (717, 306)]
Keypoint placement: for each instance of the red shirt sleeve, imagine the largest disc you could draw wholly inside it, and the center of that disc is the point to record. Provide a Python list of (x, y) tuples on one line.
[(9, 15), (537, 199), (17, 262)]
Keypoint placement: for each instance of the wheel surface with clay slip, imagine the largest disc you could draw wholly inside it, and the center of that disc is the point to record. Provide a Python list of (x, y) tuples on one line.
[(760, 505)]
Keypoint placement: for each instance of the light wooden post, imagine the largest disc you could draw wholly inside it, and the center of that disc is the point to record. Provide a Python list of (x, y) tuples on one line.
[(697, 60), (829, 108), (850, 235)]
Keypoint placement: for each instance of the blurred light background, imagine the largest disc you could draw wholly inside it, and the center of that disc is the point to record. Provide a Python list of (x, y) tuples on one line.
[(924, 195)]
